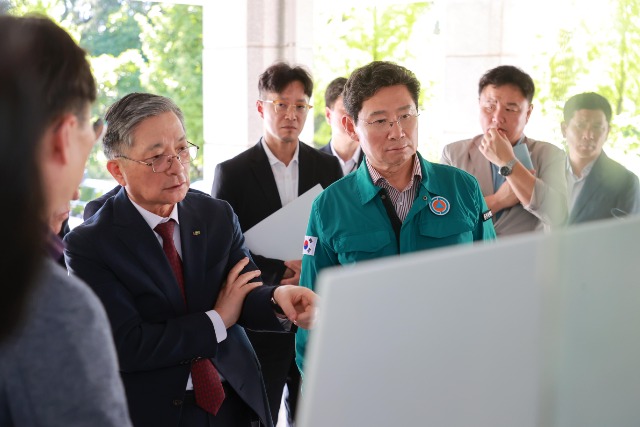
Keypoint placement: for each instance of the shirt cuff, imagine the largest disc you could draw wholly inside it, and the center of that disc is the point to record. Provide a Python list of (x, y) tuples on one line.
[(218, 325)]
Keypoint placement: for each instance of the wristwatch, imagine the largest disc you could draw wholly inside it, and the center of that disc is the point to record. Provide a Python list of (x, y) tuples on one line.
[(507, 169), (274, 304)]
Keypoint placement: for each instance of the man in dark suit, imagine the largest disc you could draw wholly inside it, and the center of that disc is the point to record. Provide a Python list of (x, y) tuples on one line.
[(260, 181), (599, 187), (341, 145), (172, 271)]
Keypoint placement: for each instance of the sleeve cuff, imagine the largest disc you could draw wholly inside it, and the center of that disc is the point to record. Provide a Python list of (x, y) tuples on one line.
[(218, 325)]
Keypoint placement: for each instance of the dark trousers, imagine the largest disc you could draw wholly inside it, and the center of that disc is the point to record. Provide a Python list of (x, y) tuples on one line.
[(293, 385), (276, 353), (234, 412)]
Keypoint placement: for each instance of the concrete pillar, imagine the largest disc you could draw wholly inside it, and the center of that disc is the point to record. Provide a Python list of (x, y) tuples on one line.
[(479, 35), (240, 40)]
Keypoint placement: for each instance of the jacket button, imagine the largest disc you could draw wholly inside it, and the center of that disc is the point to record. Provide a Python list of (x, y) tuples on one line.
[(177, 402)]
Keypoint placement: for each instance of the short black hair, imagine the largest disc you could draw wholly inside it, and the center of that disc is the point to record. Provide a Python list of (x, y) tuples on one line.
[(366, 81), (334, 91), (280, 75), (586, 101), (508, 75)]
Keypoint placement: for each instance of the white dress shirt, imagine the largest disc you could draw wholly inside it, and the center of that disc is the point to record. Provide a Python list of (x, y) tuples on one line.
[(286, 176)]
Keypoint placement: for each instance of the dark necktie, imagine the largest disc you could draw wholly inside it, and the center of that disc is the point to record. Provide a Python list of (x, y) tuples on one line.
[(206, 381)]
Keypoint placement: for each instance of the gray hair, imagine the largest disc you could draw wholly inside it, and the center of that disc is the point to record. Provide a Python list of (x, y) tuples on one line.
[(127, 113)]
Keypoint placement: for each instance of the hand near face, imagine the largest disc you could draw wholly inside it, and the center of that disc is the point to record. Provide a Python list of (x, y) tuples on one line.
[(291, 275), (298, 303), (233, 292), (496, 148)]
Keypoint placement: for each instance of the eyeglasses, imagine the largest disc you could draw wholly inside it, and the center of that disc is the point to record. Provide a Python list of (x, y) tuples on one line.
[(162, 162), (595, 128), (283, 107), (405, 121)]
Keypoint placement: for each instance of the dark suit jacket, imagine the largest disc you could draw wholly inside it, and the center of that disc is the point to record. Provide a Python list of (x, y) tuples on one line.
[(327, 149), (247, 183), (156, 336), (609, 190)]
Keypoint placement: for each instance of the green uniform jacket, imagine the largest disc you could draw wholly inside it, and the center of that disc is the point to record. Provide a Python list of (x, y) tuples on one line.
[(350, 224)]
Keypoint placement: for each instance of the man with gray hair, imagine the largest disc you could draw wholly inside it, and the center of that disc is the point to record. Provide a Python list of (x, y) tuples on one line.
[(176, 279)]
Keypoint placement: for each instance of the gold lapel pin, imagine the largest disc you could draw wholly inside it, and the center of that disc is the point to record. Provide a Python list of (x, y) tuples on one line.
[(196, 233)]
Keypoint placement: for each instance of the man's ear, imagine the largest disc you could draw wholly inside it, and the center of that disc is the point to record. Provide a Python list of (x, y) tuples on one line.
[(350, 127), (563, 127), (327, 115), (260, 107), (58, 144), (529, 111), (113, 166)]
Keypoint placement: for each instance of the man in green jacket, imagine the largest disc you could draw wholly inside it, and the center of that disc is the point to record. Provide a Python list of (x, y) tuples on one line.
[(396, 202)]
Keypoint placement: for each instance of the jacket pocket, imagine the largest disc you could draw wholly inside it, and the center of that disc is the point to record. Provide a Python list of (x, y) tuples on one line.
[(455, 230), (359, 247)]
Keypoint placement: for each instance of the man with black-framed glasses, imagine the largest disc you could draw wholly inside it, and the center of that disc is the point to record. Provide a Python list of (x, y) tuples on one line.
[(396, 202), (176, 279), (263, 179)]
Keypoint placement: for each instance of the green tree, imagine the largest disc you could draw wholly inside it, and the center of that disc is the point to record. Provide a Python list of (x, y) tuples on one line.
[(134, 46), (172, 40), (361, 35), (600, 54)]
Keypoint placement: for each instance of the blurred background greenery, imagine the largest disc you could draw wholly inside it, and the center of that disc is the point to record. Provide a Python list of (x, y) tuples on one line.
[(157, 47)]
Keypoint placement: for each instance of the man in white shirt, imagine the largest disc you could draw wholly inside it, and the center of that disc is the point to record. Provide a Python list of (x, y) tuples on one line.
[(341, 145), (263, 179)]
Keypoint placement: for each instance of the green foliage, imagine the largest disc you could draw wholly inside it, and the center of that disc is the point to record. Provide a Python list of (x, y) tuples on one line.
[(599, 54), (361, 35), (135, 46), (172, 39)]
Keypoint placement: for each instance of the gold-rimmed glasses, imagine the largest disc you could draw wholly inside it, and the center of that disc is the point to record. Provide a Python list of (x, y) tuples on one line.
[(281, 106), (162, 162)]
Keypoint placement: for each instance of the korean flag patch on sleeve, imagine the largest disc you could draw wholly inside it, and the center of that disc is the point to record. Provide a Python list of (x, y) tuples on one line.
[(309, 247)]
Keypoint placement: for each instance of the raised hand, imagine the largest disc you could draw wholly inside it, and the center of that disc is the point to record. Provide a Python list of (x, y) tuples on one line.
[(234, 290), (298, 303)]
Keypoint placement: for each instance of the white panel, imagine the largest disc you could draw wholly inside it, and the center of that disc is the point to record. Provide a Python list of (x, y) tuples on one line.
[(532, 330)]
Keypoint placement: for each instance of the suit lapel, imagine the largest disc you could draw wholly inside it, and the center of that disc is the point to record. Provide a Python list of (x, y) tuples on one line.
[(194, 237), (306, 169), (141, 242), (261, 170)]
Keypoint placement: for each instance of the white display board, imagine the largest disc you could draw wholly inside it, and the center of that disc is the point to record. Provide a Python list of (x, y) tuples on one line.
[(532, 330)]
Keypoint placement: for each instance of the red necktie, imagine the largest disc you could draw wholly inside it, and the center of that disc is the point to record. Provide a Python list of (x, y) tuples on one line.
[(206, 381)]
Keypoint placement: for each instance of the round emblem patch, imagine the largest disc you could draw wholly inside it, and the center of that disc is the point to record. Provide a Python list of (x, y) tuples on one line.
[(439, 205)]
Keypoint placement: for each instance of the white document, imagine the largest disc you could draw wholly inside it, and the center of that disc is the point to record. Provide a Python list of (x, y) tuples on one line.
[(281, 235)]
